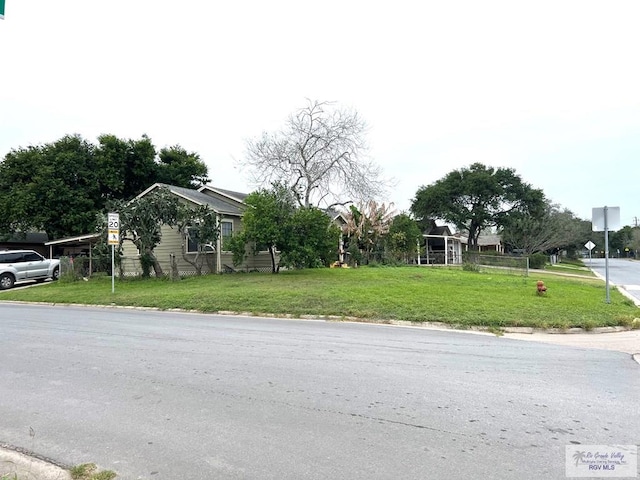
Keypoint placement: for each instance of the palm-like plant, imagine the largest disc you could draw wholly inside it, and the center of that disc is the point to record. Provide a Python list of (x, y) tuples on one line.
[(368, 224)]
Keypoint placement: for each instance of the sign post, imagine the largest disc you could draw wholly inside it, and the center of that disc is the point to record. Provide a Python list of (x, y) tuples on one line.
[(589, 246), (605, 219), (113, 239)]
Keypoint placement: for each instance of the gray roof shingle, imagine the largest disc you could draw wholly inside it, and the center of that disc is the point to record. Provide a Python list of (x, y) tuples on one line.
[(216, 204)]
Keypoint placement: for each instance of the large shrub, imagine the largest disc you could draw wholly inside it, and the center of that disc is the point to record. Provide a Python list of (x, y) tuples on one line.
[(537, 260)]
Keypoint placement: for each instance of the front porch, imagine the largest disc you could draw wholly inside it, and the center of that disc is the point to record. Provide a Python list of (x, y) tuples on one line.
[(440, 250)]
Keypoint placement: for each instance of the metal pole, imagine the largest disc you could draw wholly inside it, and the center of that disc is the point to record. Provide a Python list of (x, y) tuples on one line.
[(446, 250), (113, 268), (606, 253)]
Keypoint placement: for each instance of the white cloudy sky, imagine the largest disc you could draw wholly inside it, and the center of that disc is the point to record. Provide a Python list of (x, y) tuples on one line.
[(550, 88)]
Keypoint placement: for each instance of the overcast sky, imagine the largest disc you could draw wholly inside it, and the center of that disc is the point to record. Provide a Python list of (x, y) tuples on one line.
[(549, 88)]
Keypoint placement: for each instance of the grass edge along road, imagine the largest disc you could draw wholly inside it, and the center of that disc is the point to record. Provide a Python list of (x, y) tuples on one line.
[(452, 296)]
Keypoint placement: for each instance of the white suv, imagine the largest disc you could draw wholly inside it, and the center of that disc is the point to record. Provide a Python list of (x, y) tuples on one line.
[(19, 265)]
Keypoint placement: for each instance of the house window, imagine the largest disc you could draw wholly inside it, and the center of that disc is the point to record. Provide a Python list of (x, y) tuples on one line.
[(191, 240), (226, 231)]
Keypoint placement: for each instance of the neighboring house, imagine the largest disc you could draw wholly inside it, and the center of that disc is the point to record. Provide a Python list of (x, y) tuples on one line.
[(26, 241), (228, 206), (442, 247), (486, 243)]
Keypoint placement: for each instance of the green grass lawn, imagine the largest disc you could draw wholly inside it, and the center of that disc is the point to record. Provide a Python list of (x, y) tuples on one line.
[(416, 294)]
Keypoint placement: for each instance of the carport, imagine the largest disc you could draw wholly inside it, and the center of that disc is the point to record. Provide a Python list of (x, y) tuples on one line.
[(74, 246)]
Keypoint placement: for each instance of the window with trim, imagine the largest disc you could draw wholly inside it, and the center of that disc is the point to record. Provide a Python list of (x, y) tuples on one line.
[(226, 231), (191, 240)]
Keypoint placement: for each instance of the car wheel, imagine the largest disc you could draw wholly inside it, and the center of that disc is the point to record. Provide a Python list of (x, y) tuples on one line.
[(56, 273), (6, 281)]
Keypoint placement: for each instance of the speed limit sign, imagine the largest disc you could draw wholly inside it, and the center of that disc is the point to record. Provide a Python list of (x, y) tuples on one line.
[(113, 229)]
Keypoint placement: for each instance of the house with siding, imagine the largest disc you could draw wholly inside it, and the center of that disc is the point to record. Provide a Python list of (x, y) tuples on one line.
[(179, 247), (486, 243)]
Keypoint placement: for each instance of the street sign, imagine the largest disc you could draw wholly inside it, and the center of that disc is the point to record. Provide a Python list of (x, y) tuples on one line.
[(113, 237), (605, 218), (589, 245), (113, 227), (113, 221)]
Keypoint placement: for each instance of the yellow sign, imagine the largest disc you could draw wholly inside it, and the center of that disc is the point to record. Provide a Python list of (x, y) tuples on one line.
[(113, 237)]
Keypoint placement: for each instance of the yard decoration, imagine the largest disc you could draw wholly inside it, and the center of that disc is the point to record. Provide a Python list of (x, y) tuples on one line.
[(541, 287)]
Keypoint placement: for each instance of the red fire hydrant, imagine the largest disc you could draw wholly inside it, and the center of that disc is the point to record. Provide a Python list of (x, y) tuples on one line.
[(541, 287)]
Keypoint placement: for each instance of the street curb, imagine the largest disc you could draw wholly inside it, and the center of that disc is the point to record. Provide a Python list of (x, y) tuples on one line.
[(636, 357), (348, 319), (16, 462), (623, 291)]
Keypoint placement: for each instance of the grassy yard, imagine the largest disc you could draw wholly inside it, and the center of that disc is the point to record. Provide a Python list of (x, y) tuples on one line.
[(570, 268), (451, 296)]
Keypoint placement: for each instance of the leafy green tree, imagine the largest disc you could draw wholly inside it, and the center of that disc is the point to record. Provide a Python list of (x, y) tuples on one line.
[(476, 198), (127, 167), (634, 249), (311, 239), (403, 237), (18, 192), (621, 240), (264, 222), (52, 188), (583, 235), (202, 226), (60, 187), (141, 222), (181, 168)]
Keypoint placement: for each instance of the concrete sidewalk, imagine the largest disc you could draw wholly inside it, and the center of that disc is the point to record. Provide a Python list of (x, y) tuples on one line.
[(25, 467), (627, 341)]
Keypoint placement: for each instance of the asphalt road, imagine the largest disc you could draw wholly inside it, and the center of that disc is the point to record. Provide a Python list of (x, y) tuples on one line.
[(623, 272), (162, 395)]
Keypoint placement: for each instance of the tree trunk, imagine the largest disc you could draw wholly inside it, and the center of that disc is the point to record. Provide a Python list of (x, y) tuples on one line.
[(272, 252), (474, 233), (472, 242), (175, 274), (156, 266), (197, 265)]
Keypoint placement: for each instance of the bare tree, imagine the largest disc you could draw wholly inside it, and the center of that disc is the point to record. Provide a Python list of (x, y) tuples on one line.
[(556, 228), (321, 154)]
